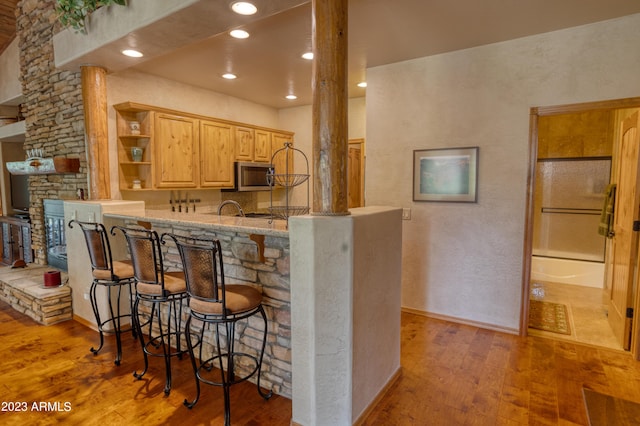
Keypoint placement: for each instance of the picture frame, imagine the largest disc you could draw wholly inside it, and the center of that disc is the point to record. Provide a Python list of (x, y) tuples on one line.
[(446, 175)]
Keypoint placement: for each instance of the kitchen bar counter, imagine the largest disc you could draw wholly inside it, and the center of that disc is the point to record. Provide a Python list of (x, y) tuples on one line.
[(211, 221), (255, 253)]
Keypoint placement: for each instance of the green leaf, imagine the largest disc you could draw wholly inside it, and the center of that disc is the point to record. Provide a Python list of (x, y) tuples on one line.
[(73, 13)]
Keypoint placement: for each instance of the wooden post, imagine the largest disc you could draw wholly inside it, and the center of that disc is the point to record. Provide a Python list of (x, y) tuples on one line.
[(330, 102), (94, 97)]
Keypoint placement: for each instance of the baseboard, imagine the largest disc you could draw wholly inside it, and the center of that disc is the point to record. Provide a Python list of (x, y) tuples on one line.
[(85, 322), (394, 378), (362, 417), (447, 318)]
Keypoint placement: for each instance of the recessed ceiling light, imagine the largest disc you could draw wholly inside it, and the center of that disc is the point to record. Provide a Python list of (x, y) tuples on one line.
[(291, 97), (229, 76), (362, 84), (307, 55), (132, 53), (239, 34), (244, 8)]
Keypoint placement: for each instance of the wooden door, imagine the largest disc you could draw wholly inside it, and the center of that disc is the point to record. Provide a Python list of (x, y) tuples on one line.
[(216, 155), (625, 241), (175, 145), (355, 171)]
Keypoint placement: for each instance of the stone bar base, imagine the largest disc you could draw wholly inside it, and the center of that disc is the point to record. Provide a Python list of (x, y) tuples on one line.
[(24, 290)]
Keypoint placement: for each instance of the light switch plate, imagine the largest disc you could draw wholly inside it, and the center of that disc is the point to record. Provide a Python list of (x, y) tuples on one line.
[(406, 214)]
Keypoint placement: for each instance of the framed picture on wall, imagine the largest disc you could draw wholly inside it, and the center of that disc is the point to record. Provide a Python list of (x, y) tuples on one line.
[(447, 174)]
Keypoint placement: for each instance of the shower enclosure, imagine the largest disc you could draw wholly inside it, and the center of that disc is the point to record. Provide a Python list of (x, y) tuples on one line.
[(568, 203)]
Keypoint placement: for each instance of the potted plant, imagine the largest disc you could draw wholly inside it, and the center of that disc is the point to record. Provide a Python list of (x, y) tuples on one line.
[(73, 13)]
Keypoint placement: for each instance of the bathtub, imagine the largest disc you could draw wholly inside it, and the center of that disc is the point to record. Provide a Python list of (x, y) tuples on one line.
[(566, 271)]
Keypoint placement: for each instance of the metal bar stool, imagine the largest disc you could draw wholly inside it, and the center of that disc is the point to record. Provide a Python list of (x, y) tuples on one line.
[(212, 302), (112, 275), (163, 291)]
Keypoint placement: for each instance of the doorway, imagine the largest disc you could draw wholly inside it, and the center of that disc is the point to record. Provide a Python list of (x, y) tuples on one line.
[(569, 153)]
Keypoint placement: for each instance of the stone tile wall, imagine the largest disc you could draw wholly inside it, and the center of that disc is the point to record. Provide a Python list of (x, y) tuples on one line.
[(53, 110)]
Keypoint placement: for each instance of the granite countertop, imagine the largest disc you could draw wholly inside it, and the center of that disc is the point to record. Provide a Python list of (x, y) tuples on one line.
[(250, 225)]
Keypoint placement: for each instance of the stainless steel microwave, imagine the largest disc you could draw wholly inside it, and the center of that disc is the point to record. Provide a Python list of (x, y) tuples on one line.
[(251, 176)]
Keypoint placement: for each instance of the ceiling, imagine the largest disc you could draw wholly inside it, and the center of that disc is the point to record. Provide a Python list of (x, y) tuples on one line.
[(7, 22), (269, 65)]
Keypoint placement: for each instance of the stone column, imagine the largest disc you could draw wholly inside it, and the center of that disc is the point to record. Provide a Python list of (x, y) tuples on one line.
[(94, 97)]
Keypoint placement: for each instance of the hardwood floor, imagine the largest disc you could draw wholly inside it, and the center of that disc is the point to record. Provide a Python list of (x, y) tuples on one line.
[(452, 375), (52, 364)]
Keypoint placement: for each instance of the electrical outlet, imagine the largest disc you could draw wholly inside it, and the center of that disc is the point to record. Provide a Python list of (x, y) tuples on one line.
[(406, 214), (86, 296)]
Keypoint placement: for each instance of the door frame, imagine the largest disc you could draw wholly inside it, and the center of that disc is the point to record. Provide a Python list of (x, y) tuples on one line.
[(534, 115), (360, 142)]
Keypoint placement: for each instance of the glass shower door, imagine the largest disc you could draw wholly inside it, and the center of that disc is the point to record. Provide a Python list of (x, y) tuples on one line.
[(568, 204)]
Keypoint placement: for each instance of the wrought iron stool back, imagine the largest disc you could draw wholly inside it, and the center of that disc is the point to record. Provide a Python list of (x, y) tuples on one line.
[(212, 301), (112, 275), (161, 290)]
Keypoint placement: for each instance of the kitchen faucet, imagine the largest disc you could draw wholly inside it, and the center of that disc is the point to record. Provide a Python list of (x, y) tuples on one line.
[(233, 202)]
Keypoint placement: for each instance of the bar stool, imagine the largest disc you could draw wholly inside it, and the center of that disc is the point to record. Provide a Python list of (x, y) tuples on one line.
[(213, 302), (163, 291), (112, 275)]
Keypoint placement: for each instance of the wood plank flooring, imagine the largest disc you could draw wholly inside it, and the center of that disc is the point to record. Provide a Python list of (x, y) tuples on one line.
[(452, 375), (460, 375)]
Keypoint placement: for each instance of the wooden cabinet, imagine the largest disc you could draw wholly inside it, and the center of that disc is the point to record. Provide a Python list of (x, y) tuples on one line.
[(181, 150), (252, 145), (216, 155), (262, 150), (282, 164), (16, 240), (175, 141), (130, 170), (244, 143)]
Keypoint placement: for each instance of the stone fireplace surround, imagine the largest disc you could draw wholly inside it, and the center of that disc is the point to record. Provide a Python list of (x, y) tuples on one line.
[(24, 290)]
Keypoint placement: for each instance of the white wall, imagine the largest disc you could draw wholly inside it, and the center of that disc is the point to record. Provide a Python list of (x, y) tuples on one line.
[(147, 89), (463, 260), (10, 87), (299, 120), (345, 304)]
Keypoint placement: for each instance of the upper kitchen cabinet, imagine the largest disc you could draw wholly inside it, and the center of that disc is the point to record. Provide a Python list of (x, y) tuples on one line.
[(135, 130), (252, 144), (262, 151), (216, 155), (282, 164), (175, 141), (159, 148), (244, 143)]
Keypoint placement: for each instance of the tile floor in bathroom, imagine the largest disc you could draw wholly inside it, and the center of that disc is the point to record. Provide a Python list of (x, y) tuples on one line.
[(587, 309)]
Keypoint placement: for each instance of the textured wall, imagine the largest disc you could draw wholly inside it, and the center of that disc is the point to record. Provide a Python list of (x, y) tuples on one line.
[(464, 261), (10, 69), (52, 109)]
